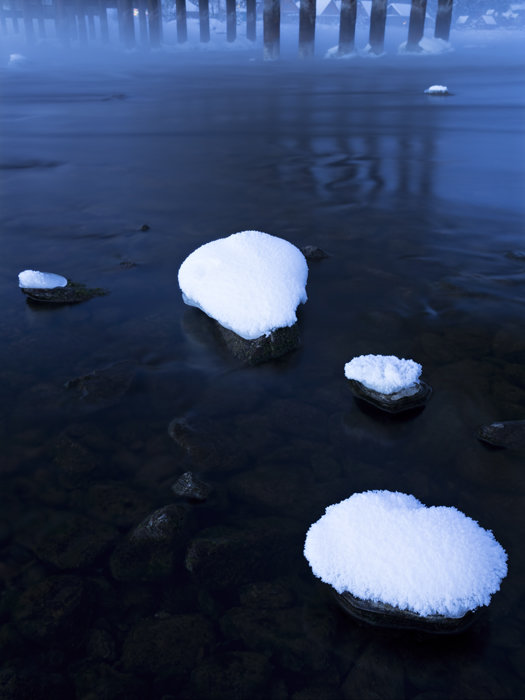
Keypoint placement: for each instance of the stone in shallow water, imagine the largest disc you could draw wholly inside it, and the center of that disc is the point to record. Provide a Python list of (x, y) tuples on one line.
[(103, 387), (504, 434), (150, 551), (403, 400), (190, 487), (267, 347), (385, 615), (312, 252), (72, 293)]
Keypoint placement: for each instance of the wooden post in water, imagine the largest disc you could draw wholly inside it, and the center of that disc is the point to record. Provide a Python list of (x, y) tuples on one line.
[(251, 19), (126, 23), (416, 25), (271, 29), (347, 22), (81, 22), (155, 23), (307, 28), (104, 29), (39, 11), (231, 20), (61, 22), (443, 19), (182, 25), (14, 16), (204, 20), (143, 21), (28, 23), (377, 26)]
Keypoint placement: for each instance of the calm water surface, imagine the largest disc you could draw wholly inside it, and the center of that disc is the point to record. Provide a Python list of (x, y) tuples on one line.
[(419, 203)]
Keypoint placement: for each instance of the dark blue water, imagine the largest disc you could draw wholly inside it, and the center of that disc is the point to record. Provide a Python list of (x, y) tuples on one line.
[(112, 175)]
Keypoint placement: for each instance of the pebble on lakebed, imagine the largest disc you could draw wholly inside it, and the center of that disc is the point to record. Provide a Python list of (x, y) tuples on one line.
[(509, 434), (395, 562), (387, 382), (50, 288)]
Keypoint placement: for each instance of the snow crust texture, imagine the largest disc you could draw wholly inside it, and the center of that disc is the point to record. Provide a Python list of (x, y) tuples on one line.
[(250, 282), (388, 547), (32, 279), (385, 374), (437, 90)]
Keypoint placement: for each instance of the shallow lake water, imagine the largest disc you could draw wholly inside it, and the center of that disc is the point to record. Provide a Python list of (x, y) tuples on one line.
[(111, 175)]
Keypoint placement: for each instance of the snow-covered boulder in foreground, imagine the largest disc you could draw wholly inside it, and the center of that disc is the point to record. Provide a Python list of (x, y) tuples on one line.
[(251, 283), (50, 288), (388, 382), (392, 560)]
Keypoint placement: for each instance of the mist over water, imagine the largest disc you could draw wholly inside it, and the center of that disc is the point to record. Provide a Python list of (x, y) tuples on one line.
[(114, 166)]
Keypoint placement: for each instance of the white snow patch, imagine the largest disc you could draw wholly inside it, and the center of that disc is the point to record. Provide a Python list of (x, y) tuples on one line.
[(383, 373), (250, 282), (388, 547), (437, 90), (430, 46), (32, 279)]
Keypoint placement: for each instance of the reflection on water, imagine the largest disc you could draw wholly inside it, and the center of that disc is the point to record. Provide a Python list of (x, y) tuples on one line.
[(111, 583)]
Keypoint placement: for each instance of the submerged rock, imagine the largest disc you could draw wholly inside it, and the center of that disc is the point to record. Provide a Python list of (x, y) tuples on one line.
[(103, 387), (192, 488), (403, 400), (72, 293), (504, 434), (385, 615), (150, 550), (312, 252)]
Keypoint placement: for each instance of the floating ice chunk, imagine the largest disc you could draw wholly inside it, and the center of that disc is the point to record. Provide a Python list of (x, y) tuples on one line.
[(385, 374), (250, 282), (437, 90), (31, 279), (388, 547)]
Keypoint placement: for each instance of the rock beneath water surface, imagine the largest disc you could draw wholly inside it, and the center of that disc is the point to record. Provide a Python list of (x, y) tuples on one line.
[(504, 434), (385, 615), (103, 387), (150, 550), (192, 488), (403, 400)]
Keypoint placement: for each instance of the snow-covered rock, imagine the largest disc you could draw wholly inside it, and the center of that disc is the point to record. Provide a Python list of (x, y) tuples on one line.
[(439, 90), (388, 548), (250, 282), (388, 382), (32, 279)]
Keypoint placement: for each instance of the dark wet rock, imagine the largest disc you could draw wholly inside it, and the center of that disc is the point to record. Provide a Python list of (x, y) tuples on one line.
[(318, 692), (22, 684), (518, 255), (152, 549), (505, 434), (99, 681), (312, 252), (281, 632), (404, 400), (72, 293), (242, 675), (127, 265), (66, 540), (113, 502), (145, 227), (73, 458), (385, 615), (167, 645), (221, 558), (55, 609), (276, 485), (190, 487), (270, 595), (100, 645), (103, 387), (206, 445), (378, 673), (267, 347)]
